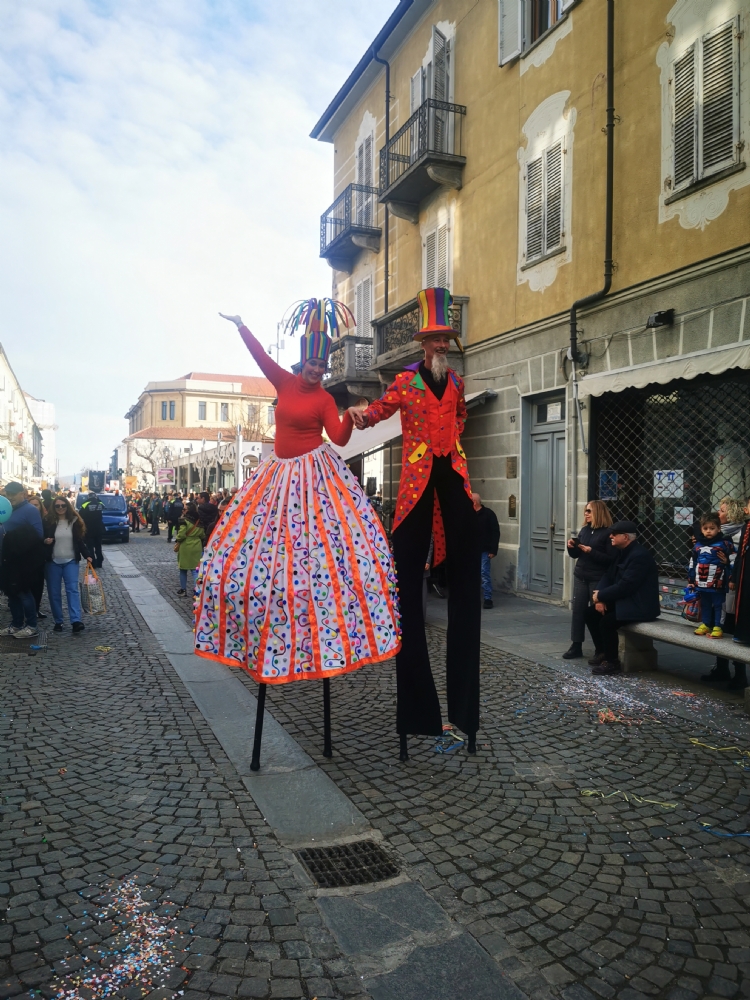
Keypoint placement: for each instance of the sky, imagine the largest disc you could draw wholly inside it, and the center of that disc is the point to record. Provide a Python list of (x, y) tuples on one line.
[(156, 167)]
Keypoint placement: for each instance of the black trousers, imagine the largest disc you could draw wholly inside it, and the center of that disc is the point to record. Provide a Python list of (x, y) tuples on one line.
[(603, 629), (172, 526), (582, 591), (95, 544), (135, 523), (739, 666), (418, 707)]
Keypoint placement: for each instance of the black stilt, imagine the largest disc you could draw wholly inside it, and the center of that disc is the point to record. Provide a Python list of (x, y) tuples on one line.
[(472, 747), (255, 762), (327, 752), (404, 754)]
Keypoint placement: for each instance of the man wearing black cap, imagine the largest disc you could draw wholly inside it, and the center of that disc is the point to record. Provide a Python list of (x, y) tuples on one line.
[(628, 592)]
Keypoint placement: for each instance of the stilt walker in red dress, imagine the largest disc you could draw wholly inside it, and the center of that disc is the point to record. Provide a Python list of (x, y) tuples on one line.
[(297, 582), (434, 496)]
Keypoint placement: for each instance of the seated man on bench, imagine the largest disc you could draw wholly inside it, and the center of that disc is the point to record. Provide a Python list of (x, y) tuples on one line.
[(628, 592)]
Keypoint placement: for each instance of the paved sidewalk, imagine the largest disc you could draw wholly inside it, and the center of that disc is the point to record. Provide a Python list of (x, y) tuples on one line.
[(638, 888)]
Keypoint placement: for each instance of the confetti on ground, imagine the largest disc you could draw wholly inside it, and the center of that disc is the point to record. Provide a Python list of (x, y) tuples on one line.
[(683, 694), (63, 770), (607, 715), (722, 833), (102, 649), (143, 954), (627, 796), (449, 741)]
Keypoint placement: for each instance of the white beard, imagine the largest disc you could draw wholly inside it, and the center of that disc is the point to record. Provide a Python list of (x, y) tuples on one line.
[(439, 367)]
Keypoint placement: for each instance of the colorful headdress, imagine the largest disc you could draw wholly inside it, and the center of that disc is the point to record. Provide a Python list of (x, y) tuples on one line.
[(434, 314), (322, 321)]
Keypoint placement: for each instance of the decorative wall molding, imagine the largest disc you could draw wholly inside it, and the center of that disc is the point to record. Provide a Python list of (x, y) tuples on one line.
[(539, 55)]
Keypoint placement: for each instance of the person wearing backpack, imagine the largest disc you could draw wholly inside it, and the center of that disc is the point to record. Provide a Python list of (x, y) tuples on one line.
[(189, 549)]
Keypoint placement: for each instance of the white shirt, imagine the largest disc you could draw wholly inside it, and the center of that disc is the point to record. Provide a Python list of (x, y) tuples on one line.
[(63, 550)]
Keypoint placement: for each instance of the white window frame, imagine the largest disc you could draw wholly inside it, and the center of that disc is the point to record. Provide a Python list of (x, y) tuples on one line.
[(437, 254), (514, 20), (696, 49), (363, 305)]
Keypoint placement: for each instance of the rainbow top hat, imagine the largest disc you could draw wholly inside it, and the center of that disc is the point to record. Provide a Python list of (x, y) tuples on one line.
[(318, 317), (434, 314)]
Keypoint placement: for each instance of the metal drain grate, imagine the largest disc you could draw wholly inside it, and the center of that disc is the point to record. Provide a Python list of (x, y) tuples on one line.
[(8, 644), (350, 864), (129, 576)]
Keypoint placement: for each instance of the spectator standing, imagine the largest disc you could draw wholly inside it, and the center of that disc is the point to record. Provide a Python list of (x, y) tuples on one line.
[(731, 515), (145, 508), (709, 571), (189, 545), (64, 536), (155, 509), (593, 551), (489, 539), (628, 592), (208, 514), (22, 555), (135, 520), (92, 510), (38, 589), (174, 516)]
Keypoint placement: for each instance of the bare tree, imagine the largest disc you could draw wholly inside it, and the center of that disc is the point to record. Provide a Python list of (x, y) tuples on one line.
[(149, 450), (253, 426)]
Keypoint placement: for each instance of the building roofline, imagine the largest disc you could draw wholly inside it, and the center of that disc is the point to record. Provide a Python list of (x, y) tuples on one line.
[(395, 29)]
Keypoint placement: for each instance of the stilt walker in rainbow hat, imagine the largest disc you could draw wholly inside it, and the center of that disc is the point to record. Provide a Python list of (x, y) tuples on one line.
[(434, 496), (297, 582)]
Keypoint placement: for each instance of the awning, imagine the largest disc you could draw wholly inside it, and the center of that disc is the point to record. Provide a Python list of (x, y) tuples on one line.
[(710, 362), (372, 438)]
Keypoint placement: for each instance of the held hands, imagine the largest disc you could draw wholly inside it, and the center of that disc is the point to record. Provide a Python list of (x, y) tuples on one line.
[(356, 413), (237, 320)]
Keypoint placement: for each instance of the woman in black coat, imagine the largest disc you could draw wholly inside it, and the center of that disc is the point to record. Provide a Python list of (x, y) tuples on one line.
[(593, 552)]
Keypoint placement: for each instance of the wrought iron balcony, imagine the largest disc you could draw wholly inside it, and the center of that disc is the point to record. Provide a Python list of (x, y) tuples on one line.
[(350, 376), (424, 154), (350, 225), (395, 346)]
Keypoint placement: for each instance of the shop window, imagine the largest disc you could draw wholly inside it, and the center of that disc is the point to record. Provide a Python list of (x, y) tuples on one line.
[(164, 410), (705, 107), (659, 462), (225, 411), (201, 411)]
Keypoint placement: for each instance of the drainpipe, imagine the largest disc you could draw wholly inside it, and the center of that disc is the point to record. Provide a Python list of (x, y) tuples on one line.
[(384, 62), (574, 354)]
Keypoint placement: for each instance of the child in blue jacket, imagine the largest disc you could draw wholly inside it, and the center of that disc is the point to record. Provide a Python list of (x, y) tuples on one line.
[(709, 571)]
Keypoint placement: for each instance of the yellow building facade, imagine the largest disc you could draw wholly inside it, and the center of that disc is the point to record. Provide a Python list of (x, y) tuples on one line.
[(492, 180)]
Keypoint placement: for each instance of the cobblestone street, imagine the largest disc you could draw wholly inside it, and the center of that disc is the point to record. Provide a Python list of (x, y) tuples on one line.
[(119, 801)]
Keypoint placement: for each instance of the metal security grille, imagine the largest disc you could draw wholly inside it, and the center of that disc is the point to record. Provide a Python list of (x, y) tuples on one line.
[(10, 645), (664, 455), (350, 864)]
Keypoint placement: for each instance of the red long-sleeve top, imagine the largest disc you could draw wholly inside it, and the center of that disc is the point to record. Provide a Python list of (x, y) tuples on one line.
[(303, 411)]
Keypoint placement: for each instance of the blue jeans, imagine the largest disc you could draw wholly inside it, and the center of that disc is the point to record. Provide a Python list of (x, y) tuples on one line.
[(486, 576), (183, 578), (712, 604), (23, 605), (57, 575)]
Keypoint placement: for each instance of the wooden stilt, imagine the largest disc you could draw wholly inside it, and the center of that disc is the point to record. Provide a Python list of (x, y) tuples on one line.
[(404, 754), (472, 747), (255, 762), (327, 752)]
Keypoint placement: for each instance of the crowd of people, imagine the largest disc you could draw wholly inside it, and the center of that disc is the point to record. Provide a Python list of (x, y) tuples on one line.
[(616, 582)]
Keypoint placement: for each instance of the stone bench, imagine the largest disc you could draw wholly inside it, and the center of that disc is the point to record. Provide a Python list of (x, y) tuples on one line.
[(637, 644)]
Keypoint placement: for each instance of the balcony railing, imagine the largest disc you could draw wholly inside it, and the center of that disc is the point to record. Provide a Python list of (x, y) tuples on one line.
[(394, 332), (424, 154), (351, 224)]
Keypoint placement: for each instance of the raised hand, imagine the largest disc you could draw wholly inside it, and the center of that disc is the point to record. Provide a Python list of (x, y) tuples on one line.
[(237, 320)]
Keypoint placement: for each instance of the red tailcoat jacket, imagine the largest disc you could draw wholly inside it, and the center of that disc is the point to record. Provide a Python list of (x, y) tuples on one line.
[(430, 426)]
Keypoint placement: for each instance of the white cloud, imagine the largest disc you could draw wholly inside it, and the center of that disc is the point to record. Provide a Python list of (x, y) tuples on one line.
[(156, 167)]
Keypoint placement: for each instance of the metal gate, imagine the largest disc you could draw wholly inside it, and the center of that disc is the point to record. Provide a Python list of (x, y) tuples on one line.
[(664, 455)]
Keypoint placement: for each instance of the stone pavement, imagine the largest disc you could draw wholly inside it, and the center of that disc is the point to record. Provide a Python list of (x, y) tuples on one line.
[(639, 888)]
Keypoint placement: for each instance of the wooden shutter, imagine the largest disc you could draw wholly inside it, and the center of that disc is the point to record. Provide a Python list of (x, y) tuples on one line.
[(534, 209), (564, 4), (415, 91), (439, 65), (718, 107), (441, 254), (430, 259), (553, 200), (363, 306), (510, 18), (684, 118)]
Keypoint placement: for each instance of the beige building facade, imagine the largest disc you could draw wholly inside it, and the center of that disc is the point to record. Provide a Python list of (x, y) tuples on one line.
[(489, 174)]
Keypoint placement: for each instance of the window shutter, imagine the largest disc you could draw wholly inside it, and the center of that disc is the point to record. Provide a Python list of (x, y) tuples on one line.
[(510, 17), (416, 90), (683, 84), (553, 216), (363, 306), (534, 209), (564, 4), (718, 105), (367, 172), (441, 257), (430, 254), (439, 65), (359, 200)]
